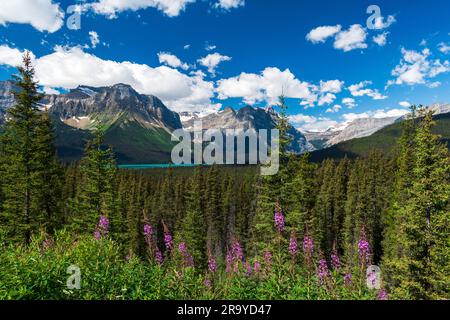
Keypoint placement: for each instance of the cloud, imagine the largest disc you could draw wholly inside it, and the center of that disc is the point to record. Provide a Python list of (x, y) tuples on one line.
[(266, 86), (381, 39), (43, 15), (187, 47), (326, 99), (444, 48), (353, 38), (321, 34), (171, 60), (111, 8), (334, 109), (95, 39), (416, 68), (210, 47), (349, 102), (333, 86), (212, 61), (48, 90), (229, 4), (433, 85), (311, 123), (359, 90), (69, 67), (405, 104), (11, 56)]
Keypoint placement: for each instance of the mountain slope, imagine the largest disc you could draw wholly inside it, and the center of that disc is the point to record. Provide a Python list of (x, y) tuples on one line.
[(384, 140), (136, 126), (247, 118)]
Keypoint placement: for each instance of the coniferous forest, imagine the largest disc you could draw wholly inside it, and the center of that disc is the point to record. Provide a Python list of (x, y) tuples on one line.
[(220, 232)]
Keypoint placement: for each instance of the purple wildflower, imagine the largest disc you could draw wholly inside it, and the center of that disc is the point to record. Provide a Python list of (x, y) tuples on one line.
[(102, 227), (158, 256), (308, 245), (348, 279), (322, 271), (364, 250), (182, 247), (256, 266), (267, 259), (237, 250), (248, 269), (212, 264), (47, 243), (207, 283), (279, 220), (168, 241), (148, 233), (188, 260), (229, 261), (382, 295), (293, 246), (335, 261)]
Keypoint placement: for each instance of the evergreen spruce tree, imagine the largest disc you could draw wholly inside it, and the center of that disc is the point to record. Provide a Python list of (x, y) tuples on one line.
[(29, 169), (97, 195), (423, 224)]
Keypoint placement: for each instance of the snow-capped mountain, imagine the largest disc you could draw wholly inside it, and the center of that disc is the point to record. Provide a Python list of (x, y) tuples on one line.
[(246, 118)]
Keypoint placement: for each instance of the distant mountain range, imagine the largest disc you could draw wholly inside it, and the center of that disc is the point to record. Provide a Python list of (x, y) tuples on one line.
[(247, 118), (360, 128), (139, 126)]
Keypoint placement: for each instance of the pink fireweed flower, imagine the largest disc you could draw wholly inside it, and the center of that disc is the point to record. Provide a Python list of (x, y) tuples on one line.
[(212, 264), (188, 260), (382, 295), (207, 283), (47, 243), (237, 250), (102, 227), (168, 241), (256, 266), (158, 256), (335, 261), (279, 220), (267, 259), (348, 279), (364, 251), (248, 269), (308, 244), (148, 233), (293, 246), (229, 261), (322, 271)]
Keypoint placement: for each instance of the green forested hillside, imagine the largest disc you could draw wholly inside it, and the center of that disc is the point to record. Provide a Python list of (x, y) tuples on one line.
[(383, 140)]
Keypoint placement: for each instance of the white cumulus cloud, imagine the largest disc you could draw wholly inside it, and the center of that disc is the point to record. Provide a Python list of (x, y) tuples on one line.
[(381, 39), (229, 4), (405, 104), (43, 15), (321, 34), (349, 102), (111, 8), (11, 56), (172, 60), (351, 39), (95, 39), (334, 109), (266, 86), (360, 89), (212, 61), (416, 68)]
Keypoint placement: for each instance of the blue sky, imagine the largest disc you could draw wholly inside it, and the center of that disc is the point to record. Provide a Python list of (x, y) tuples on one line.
[(204, 55)]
